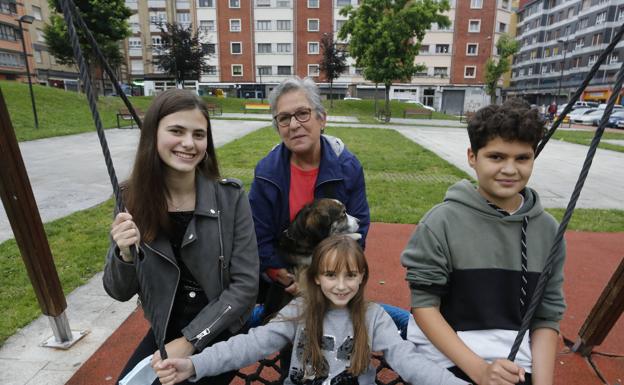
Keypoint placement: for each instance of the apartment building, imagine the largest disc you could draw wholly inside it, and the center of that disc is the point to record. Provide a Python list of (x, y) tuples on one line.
[(560, 42), (251, 45), (12, 64)]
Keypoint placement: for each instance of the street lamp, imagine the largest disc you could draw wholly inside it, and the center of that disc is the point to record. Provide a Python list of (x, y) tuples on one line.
[(28, 20), (261, 88), (565, 51)]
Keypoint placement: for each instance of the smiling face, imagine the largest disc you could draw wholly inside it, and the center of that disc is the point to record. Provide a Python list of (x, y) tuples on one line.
[(339, 284), (503, 169), (181, 140), (302, 139)]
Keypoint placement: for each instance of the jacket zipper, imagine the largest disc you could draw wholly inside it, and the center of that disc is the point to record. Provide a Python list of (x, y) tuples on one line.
[(221, 257), (207, 331), (162, 342)]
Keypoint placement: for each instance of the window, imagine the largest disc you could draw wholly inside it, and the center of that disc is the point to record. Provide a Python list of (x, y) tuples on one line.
[(601, 17), (614, 58), (284, 25), (442, 48), (207, 25), (156, 41), (284, 70), (597, 39), (313, 25), (158, 17), (236, 48), (580, 43), (546, 52), (440, 71), (313, 48), (592, 59), (470, 71), (237, 70), (342, 3), (36, 12), (263, 3), (134, 42), (476, 4), (283, 4), (620, 14), (313, 3), (284, 47), (474, 25), (235, 4), (205, 3), (505, 4), (209, 48), (235, 25), (9, 7), (583, 23), (7, 32), (210, 70), (263, 25), (183, 18), (502, 27), (136, 66), (37, 55), (313, 70), (570, 12), (576, 62), (472, 49), (424, 49), (264, 47), (265, 70), (339, 24)]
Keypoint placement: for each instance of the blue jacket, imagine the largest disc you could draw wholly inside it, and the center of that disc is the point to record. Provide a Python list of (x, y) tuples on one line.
[(340, 177)]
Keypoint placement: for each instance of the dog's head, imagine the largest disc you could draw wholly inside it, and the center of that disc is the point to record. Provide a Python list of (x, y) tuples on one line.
[(313, 223)]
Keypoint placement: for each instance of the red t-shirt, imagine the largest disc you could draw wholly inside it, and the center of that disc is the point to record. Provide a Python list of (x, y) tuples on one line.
[(301, 188)]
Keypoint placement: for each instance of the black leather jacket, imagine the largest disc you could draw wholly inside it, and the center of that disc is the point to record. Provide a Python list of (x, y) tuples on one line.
[(220, 250)]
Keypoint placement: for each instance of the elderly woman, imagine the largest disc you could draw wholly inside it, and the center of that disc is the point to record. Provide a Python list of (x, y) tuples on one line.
[(307, 165)]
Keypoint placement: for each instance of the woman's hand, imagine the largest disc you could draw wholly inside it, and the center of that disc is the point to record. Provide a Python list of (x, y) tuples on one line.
[(502, 372), (174, 370), (125, 233)]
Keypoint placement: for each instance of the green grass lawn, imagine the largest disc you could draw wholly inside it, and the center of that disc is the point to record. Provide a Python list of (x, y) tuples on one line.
[(65, 112), (585, 137), (403, 182)]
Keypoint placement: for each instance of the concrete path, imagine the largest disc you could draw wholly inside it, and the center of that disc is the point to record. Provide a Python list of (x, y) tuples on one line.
[(68, 174)]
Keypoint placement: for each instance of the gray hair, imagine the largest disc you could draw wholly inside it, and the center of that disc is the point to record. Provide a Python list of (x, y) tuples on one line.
[(293, 84)]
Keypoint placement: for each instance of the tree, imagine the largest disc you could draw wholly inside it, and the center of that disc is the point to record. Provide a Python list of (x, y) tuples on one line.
[(333, 62), (506, 46), (385, 37), (105, 19), (180, 55)]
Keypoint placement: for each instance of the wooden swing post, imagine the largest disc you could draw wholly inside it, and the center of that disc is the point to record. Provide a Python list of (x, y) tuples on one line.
[(23, 214), (604, 314)]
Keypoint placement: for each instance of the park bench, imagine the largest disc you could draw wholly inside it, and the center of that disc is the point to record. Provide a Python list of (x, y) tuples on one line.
[(214, 109), (256, 107), (417, 112), (124, 114)]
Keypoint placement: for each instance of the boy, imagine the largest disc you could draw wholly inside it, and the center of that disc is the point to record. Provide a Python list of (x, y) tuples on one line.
[(473, 262)]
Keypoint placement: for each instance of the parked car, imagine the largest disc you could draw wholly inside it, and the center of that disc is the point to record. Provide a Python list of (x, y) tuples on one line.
[(616, 119), (594, 117), (586, 104), (351, 98), (574, 114), (419, 105)]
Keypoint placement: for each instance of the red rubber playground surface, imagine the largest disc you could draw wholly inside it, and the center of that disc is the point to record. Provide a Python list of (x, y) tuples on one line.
[(592, 259)]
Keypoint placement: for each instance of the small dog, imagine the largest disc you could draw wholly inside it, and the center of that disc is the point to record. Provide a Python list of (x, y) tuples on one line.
[(313, 223)]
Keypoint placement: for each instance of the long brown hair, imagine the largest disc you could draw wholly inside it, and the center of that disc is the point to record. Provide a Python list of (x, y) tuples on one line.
[(336, 253), (145, 192)]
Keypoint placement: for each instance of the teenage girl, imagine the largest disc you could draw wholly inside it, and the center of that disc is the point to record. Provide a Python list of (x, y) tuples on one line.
[(332, 327), (196, 265)]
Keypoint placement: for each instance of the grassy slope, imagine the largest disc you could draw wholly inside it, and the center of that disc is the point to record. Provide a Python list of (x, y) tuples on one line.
[(585, 137)]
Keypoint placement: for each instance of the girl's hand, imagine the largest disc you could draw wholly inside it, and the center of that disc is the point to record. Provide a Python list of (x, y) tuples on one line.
[(178, 348), (502, 372), (125, 234), (174, 370)]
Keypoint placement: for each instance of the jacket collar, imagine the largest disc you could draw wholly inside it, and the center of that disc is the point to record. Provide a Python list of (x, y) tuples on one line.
[(206, 196)]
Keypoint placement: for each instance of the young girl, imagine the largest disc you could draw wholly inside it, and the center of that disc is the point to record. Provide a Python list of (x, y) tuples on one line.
[(332, 327), (196, 269)]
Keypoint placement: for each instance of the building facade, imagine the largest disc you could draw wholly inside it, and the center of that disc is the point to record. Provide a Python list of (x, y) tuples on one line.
[(252, 45), (12, 63), (560, 42)]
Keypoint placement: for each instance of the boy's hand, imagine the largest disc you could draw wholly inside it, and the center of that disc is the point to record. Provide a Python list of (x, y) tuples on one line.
[(178, 348), (174, 370), (501, 372)]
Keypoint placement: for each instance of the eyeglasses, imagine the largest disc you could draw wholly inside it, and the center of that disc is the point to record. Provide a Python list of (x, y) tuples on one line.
[(302, 115)]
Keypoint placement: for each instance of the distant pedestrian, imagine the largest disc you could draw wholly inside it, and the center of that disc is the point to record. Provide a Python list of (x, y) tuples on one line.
[(552, 111)]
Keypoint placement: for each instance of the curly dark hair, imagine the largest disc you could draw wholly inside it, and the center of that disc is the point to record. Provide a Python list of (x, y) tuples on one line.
[(514, 120)]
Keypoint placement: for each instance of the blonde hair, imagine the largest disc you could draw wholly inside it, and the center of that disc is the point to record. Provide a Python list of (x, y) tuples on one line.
[(336, 253)]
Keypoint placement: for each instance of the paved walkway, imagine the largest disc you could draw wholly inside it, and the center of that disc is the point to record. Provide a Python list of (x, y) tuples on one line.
[(68, 174)]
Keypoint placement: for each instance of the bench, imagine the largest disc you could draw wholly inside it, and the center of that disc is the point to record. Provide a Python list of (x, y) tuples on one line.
[(124, 114), (417, 112), (214, 109), (256, 107)]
